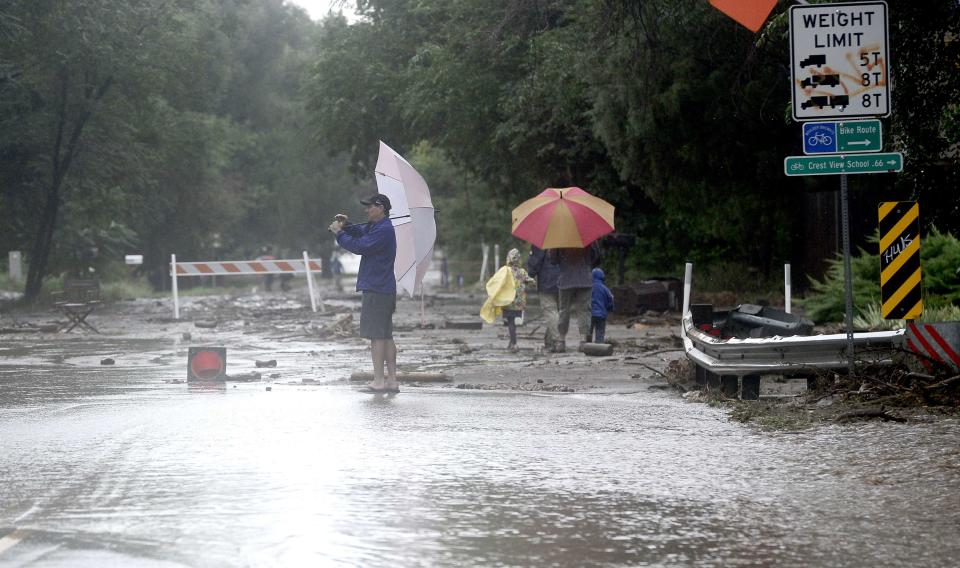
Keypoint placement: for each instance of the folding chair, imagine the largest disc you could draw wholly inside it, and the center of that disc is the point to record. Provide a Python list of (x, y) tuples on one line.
[(77, 300)]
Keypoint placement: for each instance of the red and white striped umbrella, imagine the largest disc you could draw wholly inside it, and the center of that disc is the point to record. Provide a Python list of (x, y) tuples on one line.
[(562, 218)]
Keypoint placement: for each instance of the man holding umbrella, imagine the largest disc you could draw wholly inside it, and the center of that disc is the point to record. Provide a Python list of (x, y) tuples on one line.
[(376, 242), (576, 286), (568, 220)]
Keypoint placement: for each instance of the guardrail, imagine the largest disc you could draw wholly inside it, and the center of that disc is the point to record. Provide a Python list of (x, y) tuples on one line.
[(781, 355), (778, 355)]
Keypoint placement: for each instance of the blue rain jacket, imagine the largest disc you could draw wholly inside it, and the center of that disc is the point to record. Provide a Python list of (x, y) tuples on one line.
[(376, 243), (601, 301)]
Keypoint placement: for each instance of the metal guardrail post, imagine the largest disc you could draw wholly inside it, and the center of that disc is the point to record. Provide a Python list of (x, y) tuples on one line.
[(173, 285), (306, 268), (750, 387), (786, 288)]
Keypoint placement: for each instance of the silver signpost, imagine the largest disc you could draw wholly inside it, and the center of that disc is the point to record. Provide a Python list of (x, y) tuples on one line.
[(840, 69)]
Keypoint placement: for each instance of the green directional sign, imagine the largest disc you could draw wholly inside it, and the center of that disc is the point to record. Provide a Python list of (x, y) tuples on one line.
[(859, 136), (842, 164)]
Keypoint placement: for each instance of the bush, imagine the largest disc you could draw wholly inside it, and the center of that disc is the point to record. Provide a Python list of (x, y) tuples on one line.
[(125, 290), (939, 262), (7, 283), (871, 319)]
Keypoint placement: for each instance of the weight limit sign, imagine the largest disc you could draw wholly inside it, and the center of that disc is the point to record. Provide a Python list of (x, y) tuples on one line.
[(900, 286)]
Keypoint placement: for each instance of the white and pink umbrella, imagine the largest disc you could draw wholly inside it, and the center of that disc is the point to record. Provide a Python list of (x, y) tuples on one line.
[(412, 215)]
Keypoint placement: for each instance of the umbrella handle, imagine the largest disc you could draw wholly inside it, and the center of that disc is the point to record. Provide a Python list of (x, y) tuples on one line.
[(359, 224)]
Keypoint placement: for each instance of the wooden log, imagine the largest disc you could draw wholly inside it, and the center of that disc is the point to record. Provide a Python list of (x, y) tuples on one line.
[(869, 413), (944, 383), (597, 349), (463, 325), (413, 377), (245, 377)]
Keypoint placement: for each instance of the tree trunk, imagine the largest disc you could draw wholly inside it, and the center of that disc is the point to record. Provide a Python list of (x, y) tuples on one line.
[(40, 252), (60, 161)]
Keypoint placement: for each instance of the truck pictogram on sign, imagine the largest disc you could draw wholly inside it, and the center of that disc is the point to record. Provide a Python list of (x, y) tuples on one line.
[(839, 60)]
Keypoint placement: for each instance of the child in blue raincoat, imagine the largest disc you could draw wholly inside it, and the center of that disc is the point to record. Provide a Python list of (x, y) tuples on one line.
[(601, 302)]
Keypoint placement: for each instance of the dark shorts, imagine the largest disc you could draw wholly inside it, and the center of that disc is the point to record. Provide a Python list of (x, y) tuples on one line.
[(376, 315)]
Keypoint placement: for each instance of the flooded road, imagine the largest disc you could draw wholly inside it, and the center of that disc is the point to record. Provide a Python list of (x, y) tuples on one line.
[(114, 466)]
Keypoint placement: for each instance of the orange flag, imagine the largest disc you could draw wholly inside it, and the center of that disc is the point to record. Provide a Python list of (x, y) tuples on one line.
[(749, 13)]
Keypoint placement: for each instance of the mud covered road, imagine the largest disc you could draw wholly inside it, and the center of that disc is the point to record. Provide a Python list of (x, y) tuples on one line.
[(521, 459)]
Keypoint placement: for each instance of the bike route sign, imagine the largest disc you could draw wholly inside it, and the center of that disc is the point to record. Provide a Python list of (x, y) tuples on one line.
[(848, 137), (839, 61), (842, 164)]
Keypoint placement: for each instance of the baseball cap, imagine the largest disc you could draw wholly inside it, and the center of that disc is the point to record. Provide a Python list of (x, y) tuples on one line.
[(378, 199)]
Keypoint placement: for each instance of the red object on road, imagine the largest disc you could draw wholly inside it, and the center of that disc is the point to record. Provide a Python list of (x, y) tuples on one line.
[(207, 364)]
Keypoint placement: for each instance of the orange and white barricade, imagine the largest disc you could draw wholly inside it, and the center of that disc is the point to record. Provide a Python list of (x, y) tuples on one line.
[(243, 267)]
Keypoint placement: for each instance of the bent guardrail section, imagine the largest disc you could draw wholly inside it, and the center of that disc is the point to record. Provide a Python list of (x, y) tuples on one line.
[(778, 355)]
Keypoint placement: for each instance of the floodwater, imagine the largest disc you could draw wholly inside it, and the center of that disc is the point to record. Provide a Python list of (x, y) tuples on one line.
[(121, 466), (113, 466)]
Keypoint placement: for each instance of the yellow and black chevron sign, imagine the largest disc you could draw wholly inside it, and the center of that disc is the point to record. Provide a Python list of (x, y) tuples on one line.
[(900, 260)]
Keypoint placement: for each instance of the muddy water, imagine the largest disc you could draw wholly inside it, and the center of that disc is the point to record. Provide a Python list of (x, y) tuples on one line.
[(113, 466)]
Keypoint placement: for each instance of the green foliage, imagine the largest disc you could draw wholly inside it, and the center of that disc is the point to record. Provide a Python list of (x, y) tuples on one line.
[(871, 317), (459, 196), (926, 52), (826, 300), (668, 109), (125, 289), (663, 119), (940, 258), (729, 277), (159, 128), (209, 128), (7, 283), (939, 261), (530, 95)]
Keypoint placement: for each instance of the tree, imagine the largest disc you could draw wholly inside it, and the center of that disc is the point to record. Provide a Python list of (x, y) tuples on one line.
[(102, 57), (926, 98), (157, 127)]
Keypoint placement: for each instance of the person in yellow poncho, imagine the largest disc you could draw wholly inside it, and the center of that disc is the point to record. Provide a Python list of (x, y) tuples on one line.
[(507, 295)]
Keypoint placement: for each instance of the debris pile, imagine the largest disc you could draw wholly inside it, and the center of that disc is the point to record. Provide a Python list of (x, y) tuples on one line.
[(891, 387), (544, 387), (342, 326)]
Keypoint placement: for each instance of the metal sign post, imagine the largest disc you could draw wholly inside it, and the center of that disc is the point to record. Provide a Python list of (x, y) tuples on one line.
[(847, 272)]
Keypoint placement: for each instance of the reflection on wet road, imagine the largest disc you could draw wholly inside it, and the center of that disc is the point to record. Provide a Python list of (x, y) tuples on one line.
[(127, 470)]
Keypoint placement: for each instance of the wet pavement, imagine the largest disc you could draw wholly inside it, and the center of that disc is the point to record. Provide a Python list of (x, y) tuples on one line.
[(125, 465)]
